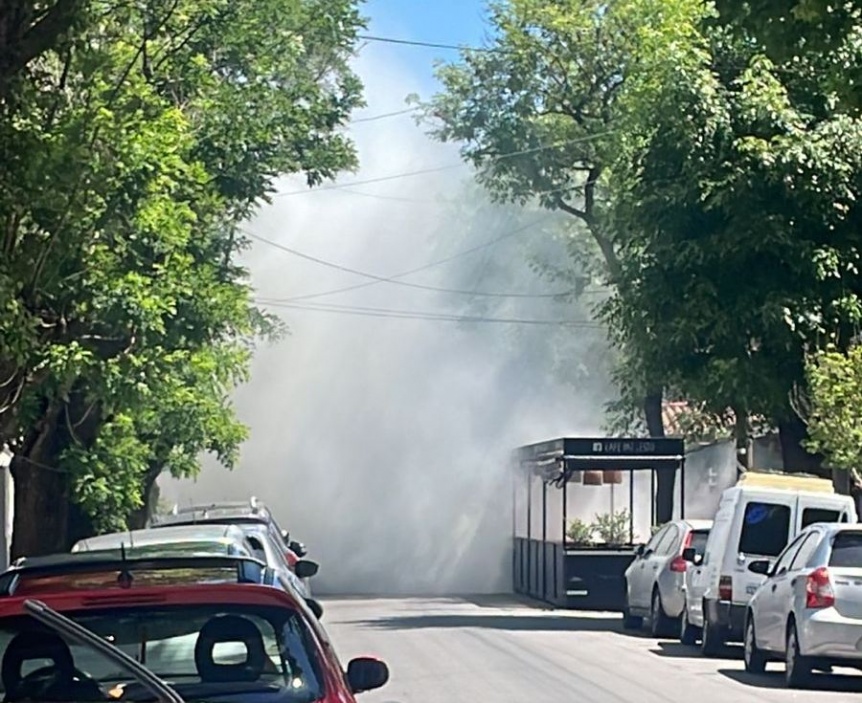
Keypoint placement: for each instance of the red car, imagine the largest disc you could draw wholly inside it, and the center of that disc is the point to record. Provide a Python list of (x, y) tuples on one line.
[(213, 628)]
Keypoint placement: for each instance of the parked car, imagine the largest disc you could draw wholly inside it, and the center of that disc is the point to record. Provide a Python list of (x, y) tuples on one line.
[(654, 580), (756, 519), (211, 627), (243, 540), (252, 511), (808, 612)]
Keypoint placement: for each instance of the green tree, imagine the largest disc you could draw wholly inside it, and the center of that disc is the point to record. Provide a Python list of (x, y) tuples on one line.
[(833, 411), (131, 158), (542, 115)]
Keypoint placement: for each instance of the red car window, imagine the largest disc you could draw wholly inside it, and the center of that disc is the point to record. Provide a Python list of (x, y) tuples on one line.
[(203, 651)]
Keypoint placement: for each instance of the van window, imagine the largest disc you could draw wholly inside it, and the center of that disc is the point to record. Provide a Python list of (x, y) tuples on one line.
[(847, 550), (812, 515), (765, 529)]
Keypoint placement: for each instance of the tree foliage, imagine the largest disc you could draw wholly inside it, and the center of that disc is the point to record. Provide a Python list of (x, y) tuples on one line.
[(132, 152), (834, 414)]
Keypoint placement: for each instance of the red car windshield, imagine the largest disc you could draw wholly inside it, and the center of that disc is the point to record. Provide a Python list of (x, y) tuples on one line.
[(232, 652)]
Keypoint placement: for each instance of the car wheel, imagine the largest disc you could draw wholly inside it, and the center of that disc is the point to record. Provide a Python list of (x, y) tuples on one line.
[(710, 641), (797, 669), (660, 624), (687, 631), (755, 660)]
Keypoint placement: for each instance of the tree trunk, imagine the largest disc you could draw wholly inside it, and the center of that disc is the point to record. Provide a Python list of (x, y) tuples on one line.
[(665, 480), (149, 490), (796, 459), (41, 491)]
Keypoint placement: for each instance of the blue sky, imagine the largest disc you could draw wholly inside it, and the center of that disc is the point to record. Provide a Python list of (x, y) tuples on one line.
[(441, 21)]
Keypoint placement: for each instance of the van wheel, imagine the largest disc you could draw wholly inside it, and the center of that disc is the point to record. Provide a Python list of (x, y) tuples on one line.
[(710, 642), (755, 660), (797, 669), (687, 632), (660, 625)]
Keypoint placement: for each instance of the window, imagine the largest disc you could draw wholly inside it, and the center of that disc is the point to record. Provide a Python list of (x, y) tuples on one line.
[(809, 546), (202, 651), (785, 558), (653, 544), (813, 515), (765, 528), (670, 543), (698, 541), (847, 550)]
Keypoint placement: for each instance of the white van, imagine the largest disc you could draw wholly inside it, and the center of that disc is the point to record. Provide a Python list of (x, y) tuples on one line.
[(756, 519)]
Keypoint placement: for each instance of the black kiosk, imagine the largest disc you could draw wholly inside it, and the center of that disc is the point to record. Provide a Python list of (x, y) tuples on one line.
[(572, 570)]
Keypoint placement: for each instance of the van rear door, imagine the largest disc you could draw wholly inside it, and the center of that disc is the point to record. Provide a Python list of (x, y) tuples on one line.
[(768, 522), (816, 508)]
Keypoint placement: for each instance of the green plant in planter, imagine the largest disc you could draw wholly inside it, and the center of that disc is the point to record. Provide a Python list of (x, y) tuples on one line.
[(579, 532), (613, 528)]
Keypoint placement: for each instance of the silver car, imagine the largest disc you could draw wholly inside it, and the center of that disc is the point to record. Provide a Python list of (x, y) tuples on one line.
[(655, 579), (808, 612)]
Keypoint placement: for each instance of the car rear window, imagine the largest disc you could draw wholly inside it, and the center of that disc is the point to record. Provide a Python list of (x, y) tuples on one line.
[(813, 515), (205, 652), (846, 550), (698, 541), (765, 529)]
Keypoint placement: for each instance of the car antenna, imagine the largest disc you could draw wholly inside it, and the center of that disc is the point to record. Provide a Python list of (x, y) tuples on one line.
[(125, 578)]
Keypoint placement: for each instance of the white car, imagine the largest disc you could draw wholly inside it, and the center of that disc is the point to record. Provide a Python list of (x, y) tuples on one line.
[(808, 612)]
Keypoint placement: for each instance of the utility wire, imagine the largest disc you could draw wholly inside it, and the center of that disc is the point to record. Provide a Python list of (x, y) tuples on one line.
[(385, 279), (421, 315), (437, 169), (431, 45), (425, 267), (384, 115)]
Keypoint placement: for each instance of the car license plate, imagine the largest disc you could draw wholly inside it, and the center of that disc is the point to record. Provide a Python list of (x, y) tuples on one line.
[(751, 589)]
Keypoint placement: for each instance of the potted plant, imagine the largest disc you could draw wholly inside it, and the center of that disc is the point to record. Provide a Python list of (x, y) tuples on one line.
[(579, 533), (613, 528)]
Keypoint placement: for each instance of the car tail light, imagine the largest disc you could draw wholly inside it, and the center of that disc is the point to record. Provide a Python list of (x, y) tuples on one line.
[(678, 565), (725, 588), (818, 589)]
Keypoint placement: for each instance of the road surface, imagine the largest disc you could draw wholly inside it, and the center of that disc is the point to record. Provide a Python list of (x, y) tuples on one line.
[(500, 650)]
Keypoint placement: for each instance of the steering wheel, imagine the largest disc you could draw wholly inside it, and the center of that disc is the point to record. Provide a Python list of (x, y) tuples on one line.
[(44, 674)]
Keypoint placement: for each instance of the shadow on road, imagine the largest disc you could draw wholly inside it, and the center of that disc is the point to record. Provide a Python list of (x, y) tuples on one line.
[(532, 623), (676, 650), (821, 682)]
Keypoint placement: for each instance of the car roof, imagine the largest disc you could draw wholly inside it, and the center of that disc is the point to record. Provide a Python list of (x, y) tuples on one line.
[(146, 597), (835, 527), (109, 568), (698, 524), (178, 534)]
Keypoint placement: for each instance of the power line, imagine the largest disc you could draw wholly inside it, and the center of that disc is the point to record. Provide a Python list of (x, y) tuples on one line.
[(425, 267), (431, 45), (422, 315), (384, 115), (384, 279), (437, 169)]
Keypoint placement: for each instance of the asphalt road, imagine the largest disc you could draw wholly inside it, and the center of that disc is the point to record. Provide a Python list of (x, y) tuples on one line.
[(500, 650)]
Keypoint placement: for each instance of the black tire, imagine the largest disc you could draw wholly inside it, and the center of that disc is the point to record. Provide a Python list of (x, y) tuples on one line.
[(755, 660), (631, 622), (688, 633), (711, 642), (797, 668), (660, 625)]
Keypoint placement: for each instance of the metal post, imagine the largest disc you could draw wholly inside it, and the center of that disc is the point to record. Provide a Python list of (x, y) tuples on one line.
[(529, 531), (544, 539), (651, 498), (682, 488), (565, 513), (515, 545), (631, 506)]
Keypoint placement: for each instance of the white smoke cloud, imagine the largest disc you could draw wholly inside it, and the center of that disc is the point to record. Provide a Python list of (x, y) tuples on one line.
[(383, 443)]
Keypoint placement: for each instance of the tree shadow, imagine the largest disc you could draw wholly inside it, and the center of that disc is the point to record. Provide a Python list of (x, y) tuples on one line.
[(774, 679), (513, 623)]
